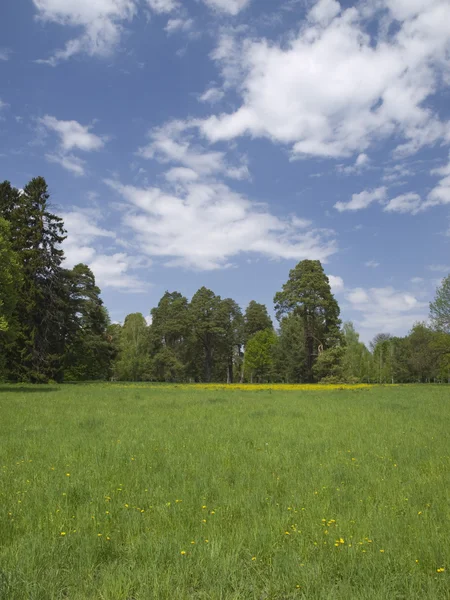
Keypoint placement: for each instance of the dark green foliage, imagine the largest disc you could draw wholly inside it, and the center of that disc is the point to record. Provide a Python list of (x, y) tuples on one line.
[(307, 294), (36, 236), (256, 319), (290, 352), (88, 350)]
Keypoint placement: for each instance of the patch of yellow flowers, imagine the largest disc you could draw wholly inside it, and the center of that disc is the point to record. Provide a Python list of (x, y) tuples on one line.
[(303, 387)]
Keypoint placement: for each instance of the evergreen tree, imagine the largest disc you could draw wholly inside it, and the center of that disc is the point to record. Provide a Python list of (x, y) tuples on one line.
[(307, 294), (36, 237), (169, 333), (290, 354), (233, 336), (256, 319), (209, 323), (88, 349)]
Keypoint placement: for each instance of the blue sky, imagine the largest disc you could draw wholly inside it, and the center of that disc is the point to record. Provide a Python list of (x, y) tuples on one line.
[(219, 142)]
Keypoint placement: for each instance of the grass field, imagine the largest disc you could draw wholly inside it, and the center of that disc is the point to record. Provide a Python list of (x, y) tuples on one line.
[(117, 492)]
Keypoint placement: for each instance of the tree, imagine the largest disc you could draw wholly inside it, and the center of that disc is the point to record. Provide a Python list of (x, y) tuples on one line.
[(329, 365), (259, 355), (233, 336), (36, 237), (356, 360), (440, 308), (134, 363), (307, 294), (88, 349), (169, 334), (290, 360), (209, 323), (256, 319), (10, 277)]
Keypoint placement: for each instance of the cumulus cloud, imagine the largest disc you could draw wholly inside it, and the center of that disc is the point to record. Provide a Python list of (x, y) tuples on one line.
[(406, 203), (171, 144), (202, 225), (335, 88), (440, 194), (70, 162), (212, 95), (101, 23), (385, 310), (72, 136), (177, 25), (163, 6), (336, 283), (361, 163), (83, 244), (362, 200), (232, 7)]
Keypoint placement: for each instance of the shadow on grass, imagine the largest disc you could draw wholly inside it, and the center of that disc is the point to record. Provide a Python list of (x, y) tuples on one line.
[(22, 389)]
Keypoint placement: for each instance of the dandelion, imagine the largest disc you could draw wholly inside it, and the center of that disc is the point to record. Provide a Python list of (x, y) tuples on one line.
[(178, 501), (204, 506), (99, 535), (382, 551), (67, 474), (253, 557), (213, 512), (63, 533), (192, 542), (206, 541), (203, 520), (108, 538), (183, 552), (287, 533), (440, 570)]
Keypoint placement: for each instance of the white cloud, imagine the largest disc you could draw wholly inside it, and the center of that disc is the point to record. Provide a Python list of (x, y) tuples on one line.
[(396, 172), (232, 7), (204, 224), (82, 245), (73, 134), (3, 104), (336, 283), (372, 264), (183, 25), (385, 310), (163, 6), (324, 11), (417, 280), (406, 203), (101, 22), (336, 88), (440, 194), (362, 200), (170, 143), (5, 53), (439, 268), (212, 95), (361, 163), (71, 163)]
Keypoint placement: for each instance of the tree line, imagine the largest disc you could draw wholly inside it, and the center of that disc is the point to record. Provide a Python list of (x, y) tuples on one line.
[(54, 326)]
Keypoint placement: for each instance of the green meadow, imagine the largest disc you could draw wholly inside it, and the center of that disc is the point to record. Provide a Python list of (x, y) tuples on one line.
[(116, 492)]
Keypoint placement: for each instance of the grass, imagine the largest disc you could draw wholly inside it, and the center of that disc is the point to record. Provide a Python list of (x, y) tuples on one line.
[(117, 492)]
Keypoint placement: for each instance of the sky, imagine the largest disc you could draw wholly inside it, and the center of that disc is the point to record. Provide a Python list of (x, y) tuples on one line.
[(219, 142)]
